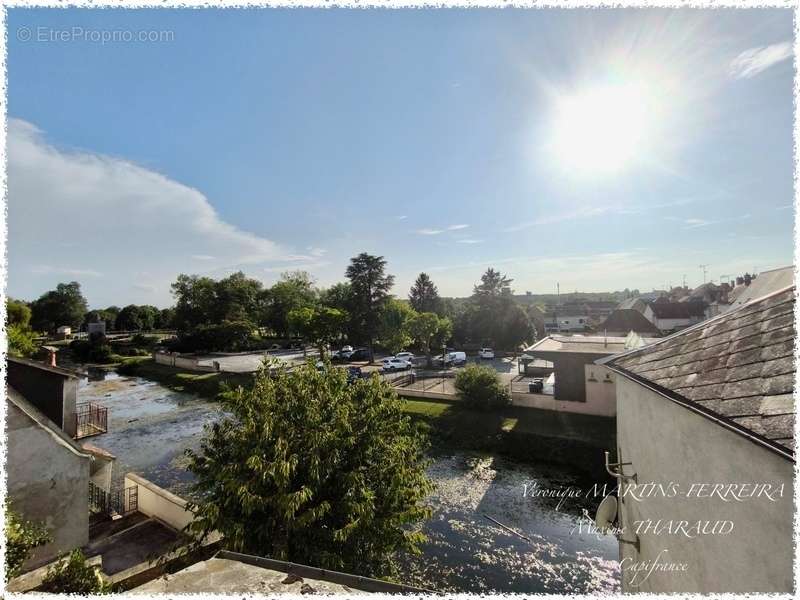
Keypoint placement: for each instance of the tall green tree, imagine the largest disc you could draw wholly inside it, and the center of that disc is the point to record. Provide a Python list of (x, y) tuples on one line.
[(320, 325), (312, 469), (293, 290), (64, 305), (195, 301), (396, 318), (18, 312), (430, 331), (370, 287), (424, 296)]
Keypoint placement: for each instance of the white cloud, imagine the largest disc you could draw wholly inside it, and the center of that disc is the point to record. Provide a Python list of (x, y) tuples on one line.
[(469, 241), (753, 61), (98, 214), (430, 231), (65, 271)]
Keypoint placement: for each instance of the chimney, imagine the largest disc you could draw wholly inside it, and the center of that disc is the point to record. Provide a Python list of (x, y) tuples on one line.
[(51, 355)]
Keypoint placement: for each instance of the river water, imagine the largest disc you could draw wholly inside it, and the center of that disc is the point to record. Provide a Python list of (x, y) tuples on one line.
[(485, 535)]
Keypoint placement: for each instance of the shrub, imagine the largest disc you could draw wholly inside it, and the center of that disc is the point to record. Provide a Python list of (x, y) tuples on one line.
[(479, 387), (228, 336), (71, 575), (21, 538), (92, 351)]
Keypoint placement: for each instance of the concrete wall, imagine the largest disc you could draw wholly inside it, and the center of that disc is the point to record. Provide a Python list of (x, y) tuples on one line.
[(669, 443), (571, 375), (190, 363), (48, 482), (601, 390), (158, 503), (52, 393)]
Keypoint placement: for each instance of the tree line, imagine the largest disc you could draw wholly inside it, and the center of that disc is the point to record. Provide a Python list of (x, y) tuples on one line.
[(240, 313)]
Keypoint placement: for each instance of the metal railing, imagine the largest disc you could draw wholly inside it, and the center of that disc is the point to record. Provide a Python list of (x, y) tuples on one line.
[(119, 500), (90, 419)]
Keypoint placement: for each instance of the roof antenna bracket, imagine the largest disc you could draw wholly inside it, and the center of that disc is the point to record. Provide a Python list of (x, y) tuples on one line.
[(611, 468)]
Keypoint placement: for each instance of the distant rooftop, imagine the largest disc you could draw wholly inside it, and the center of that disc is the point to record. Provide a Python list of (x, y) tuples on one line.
[(628, 319), (737, 368), (588, 344), (766, 283)]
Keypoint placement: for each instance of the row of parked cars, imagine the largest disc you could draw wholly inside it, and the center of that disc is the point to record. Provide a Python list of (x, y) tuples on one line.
[(405, 360)]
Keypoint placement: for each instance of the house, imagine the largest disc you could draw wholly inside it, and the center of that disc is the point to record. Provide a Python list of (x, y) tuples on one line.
[(624, 320), (566, 318), (579, 384), (47, 476), (706, 417), (64, 332), (672, 316)]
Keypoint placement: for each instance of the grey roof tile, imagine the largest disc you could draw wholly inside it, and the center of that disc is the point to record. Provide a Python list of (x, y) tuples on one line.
[(739, 365)]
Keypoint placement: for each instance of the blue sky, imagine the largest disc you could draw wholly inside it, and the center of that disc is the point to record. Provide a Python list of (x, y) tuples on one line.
[(273, 140)]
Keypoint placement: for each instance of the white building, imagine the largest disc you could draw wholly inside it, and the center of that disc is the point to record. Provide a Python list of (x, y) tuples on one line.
[(705, 454)]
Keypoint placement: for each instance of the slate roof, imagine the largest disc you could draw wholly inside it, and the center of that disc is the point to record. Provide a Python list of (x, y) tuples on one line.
[(678, 310), (633, 303), (628, 319), (737, 368), (766, 283)]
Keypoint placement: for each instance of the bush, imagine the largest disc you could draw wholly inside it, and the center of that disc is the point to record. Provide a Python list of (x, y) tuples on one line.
[(71, 575), (98, 351), (21, 538), (228, 336), (479, 387)]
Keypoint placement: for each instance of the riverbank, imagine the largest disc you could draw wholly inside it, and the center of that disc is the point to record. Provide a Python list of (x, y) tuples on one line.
[(524, 434), (205, 385)]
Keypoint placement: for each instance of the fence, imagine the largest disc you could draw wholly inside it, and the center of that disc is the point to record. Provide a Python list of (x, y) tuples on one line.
[(119, 500), (90, 419)]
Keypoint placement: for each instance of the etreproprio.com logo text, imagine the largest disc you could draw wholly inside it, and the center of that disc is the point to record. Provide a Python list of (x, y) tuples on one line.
[(95, 36)]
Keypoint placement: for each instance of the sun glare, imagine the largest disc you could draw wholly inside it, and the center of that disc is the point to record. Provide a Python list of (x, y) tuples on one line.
[(602, 129)]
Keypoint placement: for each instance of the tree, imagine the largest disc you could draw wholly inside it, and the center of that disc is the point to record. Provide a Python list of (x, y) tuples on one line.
[(63, 306), (195, 298), (370, 287), (130, 318), (20, 335), (293, 290), (493, 285), (22, 537), (320, 325), (429, 331), (424, 297), (166, 318), (18, 312), (479, 387), (396, 319), (312, 469)]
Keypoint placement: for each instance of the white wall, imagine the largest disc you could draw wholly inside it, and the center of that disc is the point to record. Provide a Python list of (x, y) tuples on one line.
[(48, 482), (173, 359), (159, 503), (669, 443)]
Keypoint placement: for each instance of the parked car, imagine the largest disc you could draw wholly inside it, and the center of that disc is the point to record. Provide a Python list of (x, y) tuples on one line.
[(487, 353), (359, 354), (395, 364), (451, 359), (408, 356)]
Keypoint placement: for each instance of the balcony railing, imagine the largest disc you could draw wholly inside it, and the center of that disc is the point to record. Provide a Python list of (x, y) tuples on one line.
[(90, 419)]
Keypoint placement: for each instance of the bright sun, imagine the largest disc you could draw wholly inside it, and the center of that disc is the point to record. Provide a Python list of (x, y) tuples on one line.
[(602, 129)]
